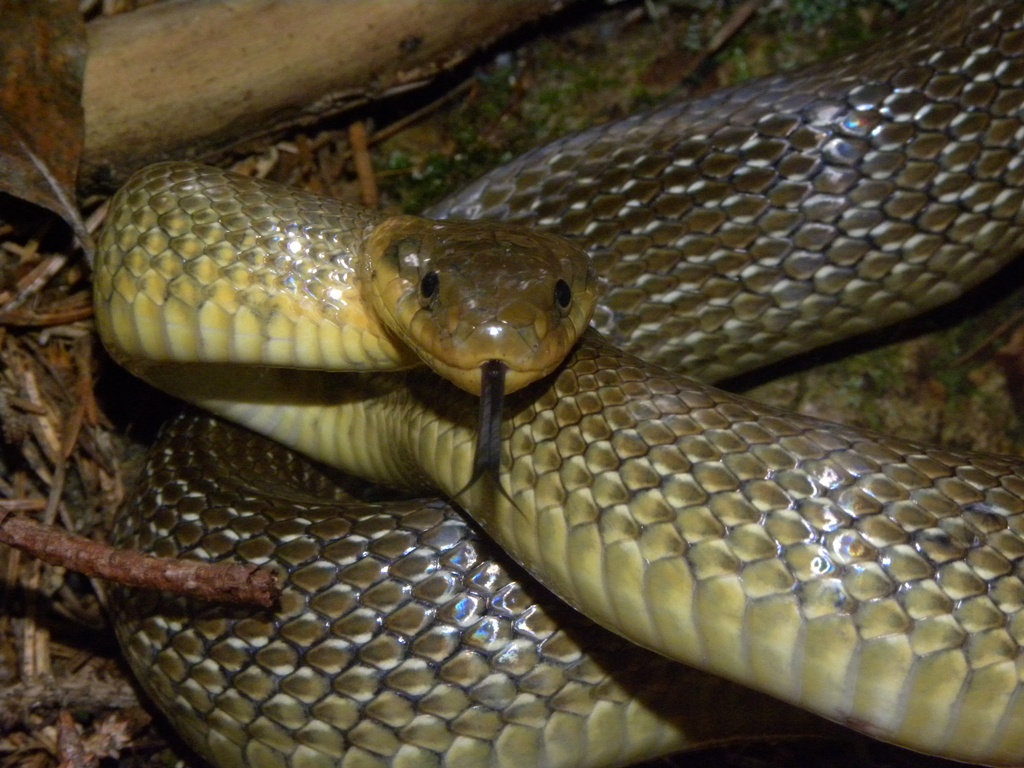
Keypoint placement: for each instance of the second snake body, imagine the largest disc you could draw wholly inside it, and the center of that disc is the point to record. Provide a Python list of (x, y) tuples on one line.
[(872, 580)]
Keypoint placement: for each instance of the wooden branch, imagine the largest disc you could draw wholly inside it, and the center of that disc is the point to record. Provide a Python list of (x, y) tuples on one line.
[(221, 582), (190, 78), (81, 691)]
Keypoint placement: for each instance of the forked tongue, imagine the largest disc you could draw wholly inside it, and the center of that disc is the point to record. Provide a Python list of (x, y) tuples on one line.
[(487, 462), (492, 397)]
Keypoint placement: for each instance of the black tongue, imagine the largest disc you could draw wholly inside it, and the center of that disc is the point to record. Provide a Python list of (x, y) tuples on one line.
[(492, 398)]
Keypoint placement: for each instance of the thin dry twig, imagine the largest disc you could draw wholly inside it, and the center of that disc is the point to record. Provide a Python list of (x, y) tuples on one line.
[(70, 749), (217, 582), (1002, 330), (60, 316), (369, 192), (22, 505), (18, 700), (732, 25), (423, 112), (35, 280), (691, 64)]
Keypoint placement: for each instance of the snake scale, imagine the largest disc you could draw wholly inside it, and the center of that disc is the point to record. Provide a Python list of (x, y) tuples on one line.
[(871, 580)]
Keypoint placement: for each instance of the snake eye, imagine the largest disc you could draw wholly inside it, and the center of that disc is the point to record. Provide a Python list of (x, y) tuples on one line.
[(563, 294), (429, 285)]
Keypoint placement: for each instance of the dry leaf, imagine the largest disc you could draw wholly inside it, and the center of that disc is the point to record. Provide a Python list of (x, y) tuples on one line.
[(42, 58)]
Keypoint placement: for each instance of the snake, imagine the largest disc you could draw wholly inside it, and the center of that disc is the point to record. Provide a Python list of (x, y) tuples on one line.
[(640, 527)]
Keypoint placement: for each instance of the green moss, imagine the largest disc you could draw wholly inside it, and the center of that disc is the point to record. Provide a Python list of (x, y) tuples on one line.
[(817, 13), (601, 70)]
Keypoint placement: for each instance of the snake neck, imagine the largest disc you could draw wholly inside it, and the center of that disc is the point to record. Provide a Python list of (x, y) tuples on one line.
[(268, 277)]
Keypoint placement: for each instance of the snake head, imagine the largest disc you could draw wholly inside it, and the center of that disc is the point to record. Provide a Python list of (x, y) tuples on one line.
[(463, 295)]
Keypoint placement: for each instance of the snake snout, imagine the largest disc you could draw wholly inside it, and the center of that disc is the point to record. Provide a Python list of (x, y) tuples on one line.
[(524, 344)]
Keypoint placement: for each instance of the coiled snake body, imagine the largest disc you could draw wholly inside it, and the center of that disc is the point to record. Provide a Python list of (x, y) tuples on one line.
[(871, 580)]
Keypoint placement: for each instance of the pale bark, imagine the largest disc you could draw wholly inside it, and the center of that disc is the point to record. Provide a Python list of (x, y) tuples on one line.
[(190, 78)]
